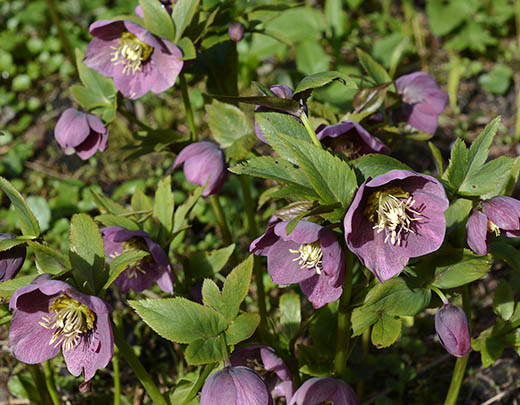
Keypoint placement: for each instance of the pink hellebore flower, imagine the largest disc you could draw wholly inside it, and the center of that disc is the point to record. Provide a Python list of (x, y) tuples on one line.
[(80, 133), (451, 325), (204, 162), (423, 101), (350, 138), (141, 275), (310, 255), (235, 386), (134, 58), (269, 366), (495, 216), (321, 390), (49, 316), (11, 260), (393, 217)]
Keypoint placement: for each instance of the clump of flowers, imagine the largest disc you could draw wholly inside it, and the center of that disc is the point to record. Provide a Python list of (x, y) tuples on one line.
[(80, 133), (321, 390), (134, 58), (141, 275), (393, 217), (11, 260), (451, 325), (51, 316), (497, 216), (310, 255), (204, 162)]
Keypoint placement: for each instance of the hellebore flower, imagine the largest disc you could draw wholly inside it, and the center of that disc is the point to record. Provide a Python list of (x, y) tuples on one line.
[(320, 390), (49, 316), (451, 325), (204, 162), (495, 216), (310, 255), (236, 31), (80, 133), (11, 260), (268, 365), (393, 217), (350, 138), (135, 59), (423, 101), (235, 386), (141, 275)]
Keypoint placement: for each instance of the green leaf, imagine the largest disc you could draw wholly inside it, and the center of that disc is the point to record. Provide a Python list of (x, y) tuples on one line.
[(180, 320), (290, 314), (182, 14), (311, 58), (386, 331), (49, 260), (157, 20), (121, 263), (336, 17), (26, 219), (443, 17), (490, 350), (7, 244), (457, 267), (498, 80), (373, 69), (456, 170), (236, 287), (375, 164), (188, 49), (105, 204), (180, 219), (163, 209), (227, 123), (437, 157), (211, 296), (207, 264), (320, 79), (276, 103), (507, 253), (114, 220), (504, 300), (203, 351), (87, 255), (361, 320), (140, 201), (242, 328), (479, 149), (8, 288), (491, 179)]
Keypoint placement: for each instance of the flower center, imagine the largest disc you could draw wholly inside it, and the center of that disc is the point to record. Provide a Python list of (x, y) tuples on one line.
[(69, 319), (390, 210), (492, 227), (309, 256), (131, 52)]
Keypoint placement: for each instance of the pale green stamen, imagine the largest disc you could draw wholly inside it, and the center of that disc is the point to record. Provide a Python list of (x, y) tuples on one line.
[(309, 256), (131, 52)]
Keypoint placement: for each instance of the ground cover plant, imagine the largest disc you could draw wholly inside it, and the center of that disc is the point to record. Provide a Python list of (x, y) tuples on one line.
[(257, 202)]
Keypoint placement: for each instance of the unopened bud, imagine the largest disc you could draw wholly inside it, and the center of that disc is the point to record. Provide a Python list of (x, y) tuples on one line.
[(236, 31), (452, 329)]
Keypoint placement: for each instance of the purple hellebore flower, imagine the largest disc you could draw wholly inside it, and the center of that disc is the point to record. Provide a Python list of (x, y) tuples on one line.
[(11, 260), (235, 386), (423, 101), (393, 217), (204, 162), (49, 316), (135, 59), (80, 133), (350, 138), (268, 365), (320, 390), (141, 275), (497, 215), (310, 255), (236, 31), (451, 325)]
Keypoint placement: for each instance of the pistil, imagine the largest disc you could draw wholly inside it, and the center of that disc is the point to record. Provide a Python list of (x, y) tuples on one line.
[(131, 52), (309, 256)]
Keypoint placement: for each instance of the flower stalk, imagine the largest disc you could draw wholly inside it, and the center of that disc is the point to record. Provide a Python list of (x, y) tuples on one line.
[(187, 107), (221, 219), (309, 129)]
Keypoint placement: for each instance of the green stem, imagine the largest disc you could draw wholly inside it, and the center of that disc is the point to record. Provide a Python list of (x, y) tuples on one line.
[(187, 107), (344, 313), (137, 366), (309, 129), (221, 219), (253, 233), (440, 294), (115, 362), (462, 362), (50, 383), (365, 343), (40, 382), (61, 33), (131, 118)]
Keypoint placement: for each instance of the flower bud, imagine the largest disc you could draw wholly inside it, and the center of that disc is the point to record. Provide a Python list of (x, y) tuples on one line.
[(319, 390), (235, 386), (236, 31), (11, 260), (452, 329)]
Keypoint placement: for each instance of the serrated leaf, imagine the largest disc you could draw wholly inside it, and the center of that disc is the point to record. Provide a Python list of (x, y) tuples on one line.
[(458, 162), (182, 14), (207, 264), (121, 263), (115, 220), (26, 219), (211, 296), (489, 179), (49, 260), (437, 157), (87, 254), (375, 164), (157, 20), (163, 209), (479, 149), (373, 69), (7, 244), (227, 123), (504, 300), (242, 328), (180, 320), (272, 123), (275, 103), (290, 314), (386, 331), (317, 80), (105, 204), (458, 267), (236, 287), (204, 351), (182, 212), (7, 288)]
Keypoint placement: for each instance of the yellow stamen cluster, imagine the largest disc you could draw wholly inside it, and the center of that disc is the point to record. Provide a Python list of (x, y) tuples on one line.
[(309, 256), (492, 227), (131, 52), (390, 210), (70, 320)]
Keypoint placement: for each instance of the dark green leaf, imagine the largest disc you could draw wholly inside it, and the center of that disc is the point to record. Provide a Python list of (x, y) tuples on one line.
[(114, 220), (105, 204), (373, 165), (204, 351), (386, 331), (320, 79), (275, 103), (504, 300), (49, 260), (163, 209), (26, 219), (437, 157), (457, 166), (457, 267), (479, 149)]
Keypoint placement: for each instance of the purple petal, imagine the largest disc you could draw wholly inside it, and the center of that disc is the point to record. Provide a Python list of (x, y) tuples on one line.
[(107, 30), (333, 259), (134, 85), (320, 291), (168, 66), (317, 390), (304, 232), (476, 232), (451, 325), (11, 260), (282, 266), (99, 54), (71, 129), (282, 91), (503, 212), (261, 245), (368, 143)]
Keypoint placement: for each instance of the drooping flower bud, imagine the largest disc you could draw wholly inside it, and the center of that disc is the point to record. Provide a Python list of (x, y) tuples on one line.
[(236, 31), (320, 390), (11, 260), (451, 325)]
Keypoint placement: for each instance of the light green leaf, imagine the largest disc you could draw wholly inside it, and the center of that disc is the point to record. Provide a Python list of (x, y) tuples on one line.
[(157, 19), (211, 296), (456, 170), (479, 149), (373, 69), (361, 320), (188, 49), (489, 180), (105, 204), (7, 244), (386, 331), (7, 288), (321, 79), (242, 328), (204, 351), (236, 287), (49, 260), (26, 219), (437, 157), (504, 300), (163, 209), (311, 58), (182, 14), (114, 220), (290, 315), (227, 123), (121, 263)]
